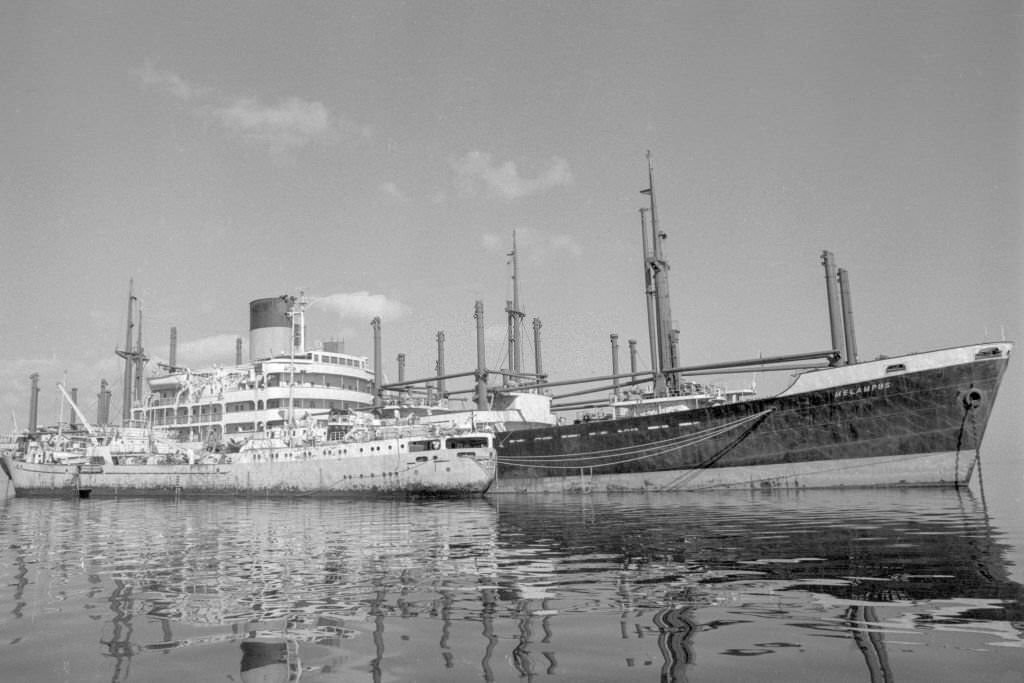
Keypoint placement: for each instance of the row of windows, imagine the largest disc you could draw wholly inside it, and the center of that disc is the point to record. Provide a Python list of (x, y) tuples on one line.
[(210, 410), (167, 416), (213, 409), (312, 403), (318, 379), (600, 432), (351, 362), (302, 379), (317, 403)]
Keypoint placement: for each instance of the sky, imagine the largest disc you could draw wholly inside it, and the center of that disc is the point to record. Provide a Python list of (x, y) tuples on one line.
[(378, 156)]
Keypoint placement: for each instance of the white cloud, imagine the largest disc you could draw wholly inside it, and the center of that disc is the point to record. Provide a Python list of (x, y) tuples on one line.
[(290, 124), (392, 190), (476, 168), (170, 83), (360, 305)]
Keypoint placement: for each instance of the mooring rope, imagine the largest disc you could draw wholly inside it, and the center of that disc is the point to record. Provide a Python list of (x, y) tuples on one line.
[(977, 462), (633, 453), (970, 403), (959, 443), (689, 474)]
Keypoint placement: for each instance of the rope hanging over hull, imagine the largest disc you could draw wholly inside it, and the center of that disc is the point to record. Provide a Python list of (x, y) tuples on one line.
[(613, 457)]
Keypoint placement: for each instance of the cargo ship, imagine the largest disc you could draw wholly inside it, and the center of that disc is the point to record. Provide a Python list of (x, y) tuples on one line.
[(910, 420), (914, 420)]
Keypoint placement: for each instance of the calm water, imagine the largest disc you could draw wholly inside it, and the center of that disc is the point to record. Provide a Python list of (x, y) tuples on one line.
[(837, 586)]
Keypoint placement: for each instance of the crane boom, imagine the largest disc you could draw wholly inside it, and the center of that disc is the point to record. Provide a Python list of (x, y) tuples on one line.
[(79, 413)]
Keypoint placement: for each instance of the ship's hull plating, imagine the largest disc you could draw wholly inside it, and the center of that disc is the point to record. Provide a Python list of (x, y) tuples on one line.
[(444, 473), (916, 420)]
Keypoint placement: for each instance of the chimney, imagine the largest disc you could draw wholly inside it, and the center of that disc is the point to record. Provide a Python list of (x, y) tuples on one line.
[(440, 364), (33, 403), (103, 405), (481, 357), (835, 315), (74, 399), (615, 365), (377, 372), (538, 366), (172, 354), (844, 296), (632, 359)]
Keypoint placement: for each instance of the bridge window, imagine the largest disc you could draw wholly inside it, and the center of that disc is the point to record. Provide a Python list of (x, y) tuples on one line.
[(468, 442)]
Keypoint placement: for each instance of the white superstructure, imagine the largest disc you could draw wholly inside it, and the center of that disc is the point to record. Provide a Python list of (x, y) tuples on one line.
[(282, 384)]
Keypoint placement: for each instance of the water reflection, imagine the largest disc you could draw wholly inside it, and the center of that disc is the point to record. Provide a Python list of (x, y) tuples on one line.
[(268, 661), (875, 546), (582, 587), (861, 620)]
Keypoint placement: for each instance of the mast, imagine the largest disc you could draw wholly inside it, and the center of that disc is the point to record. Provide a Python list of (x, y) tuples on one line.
[(298, 322), (481, 357), (139, 359), (652, 308), (60, 414), (667, 337), (126, 385), (297, 314), (134, 358), (515, 318)]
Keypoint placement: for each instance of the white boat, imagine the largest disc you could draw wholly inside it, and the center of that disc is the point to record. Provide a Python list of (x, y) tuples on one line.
[(351, 456)]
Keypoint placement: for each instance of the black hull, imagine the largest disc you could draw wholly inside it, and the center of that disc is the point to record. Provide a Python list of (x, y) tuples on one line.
[(887, 427)]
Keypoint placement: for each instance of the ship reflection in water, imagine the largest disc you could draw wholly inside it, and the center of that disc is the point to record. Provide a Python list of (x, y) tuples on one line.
[(267, 661), (867, 585)]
